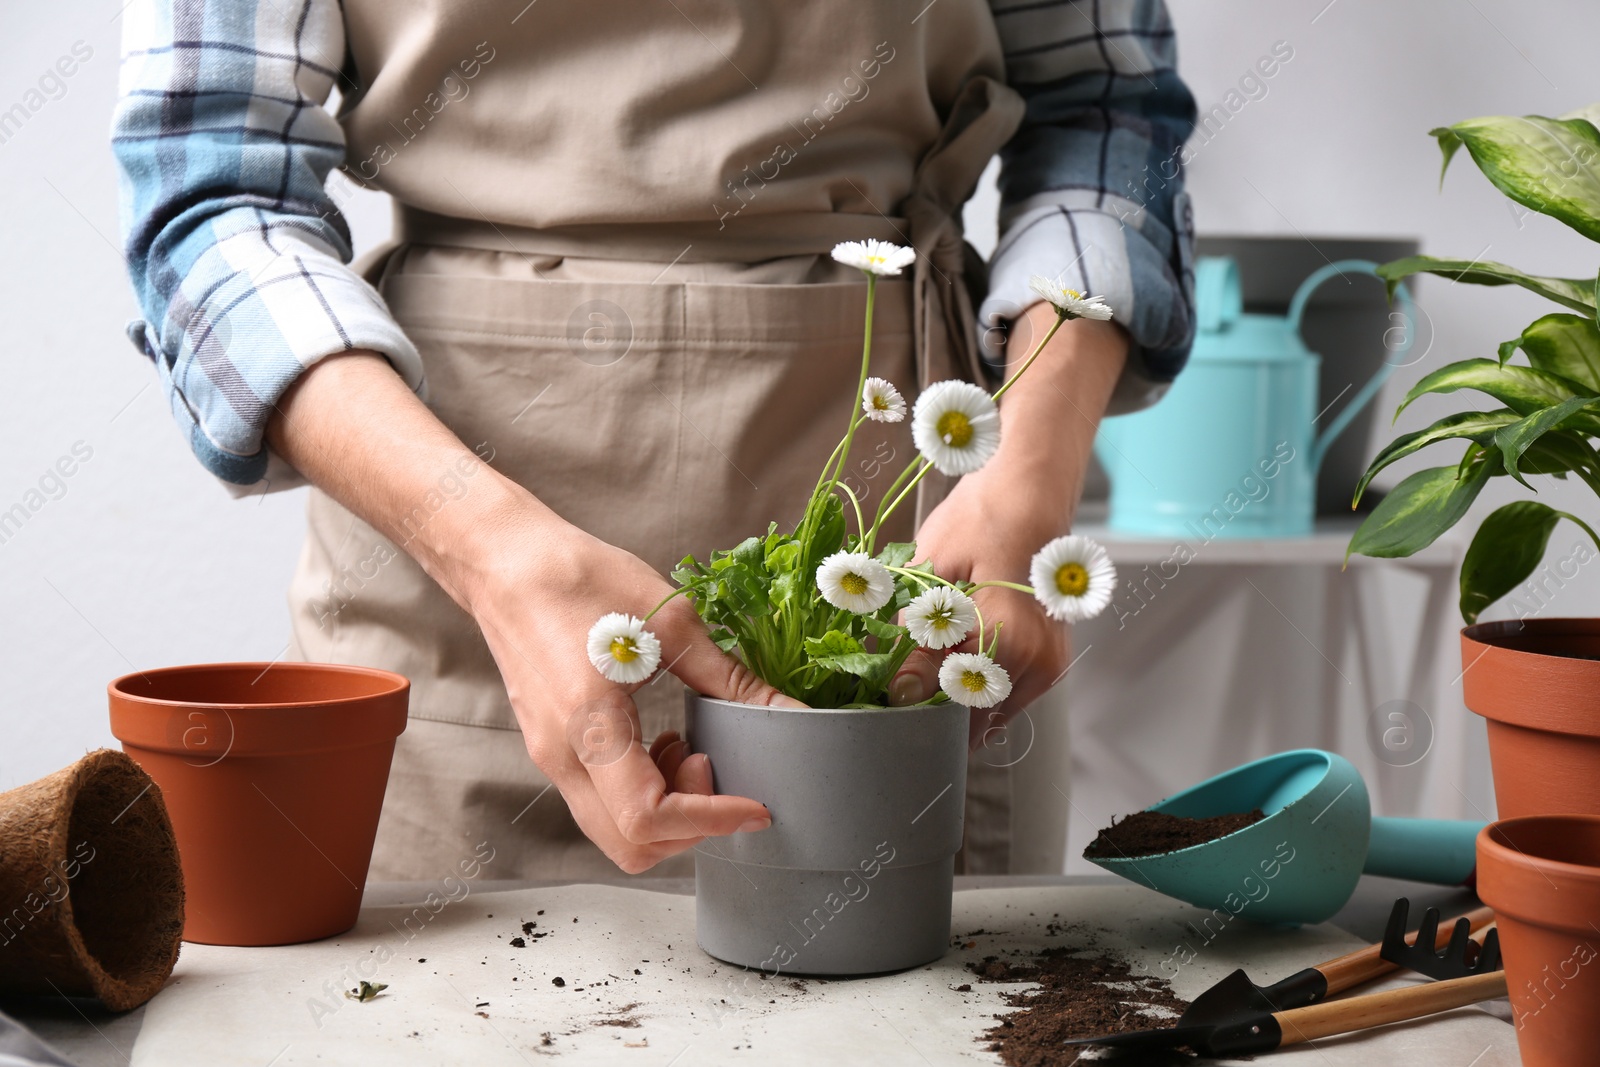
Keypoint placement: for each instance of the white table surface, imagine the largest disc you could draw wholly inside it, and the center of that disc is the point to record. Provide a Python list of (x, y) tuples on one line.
[(210, 1011)]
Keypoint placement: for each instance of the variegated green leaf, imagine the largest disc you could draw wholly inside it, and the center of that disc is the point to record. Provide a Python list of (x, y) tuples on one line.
[(1549, 165), (1568, 345), (1413, 515), (1515, 439), (1524, 390), (1575, 293), (1478, 426), (1509, 544)]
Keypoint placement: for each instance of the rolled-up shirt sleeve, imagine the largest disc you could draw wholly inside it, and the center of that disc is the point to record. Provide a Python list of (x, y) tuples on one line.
[(1091, 185), (238, 255)]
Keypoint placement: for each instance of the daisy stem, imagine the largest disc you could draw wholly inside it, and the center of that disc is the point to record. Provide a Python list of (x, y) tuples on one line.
[(879, 514), (861, 384), (696, 584), (994, 641), (886, 512), (922, 578), (1004, 585), (1061, 316), (861, 527)]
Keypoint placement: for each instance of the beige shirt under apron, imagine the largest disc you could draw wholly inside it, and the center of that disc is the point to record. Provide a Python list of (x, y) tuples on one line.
[(613, 259)]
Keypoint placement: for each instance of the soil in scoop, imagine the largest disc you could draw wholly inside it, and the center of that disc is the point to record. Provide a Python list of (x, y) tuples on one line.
[(1147, 833), (1078, 996)]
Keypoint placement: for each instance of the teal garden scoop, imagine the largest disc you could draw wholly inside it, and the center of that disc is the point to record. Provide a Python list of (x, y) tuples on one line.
[(1301, 863), (1232, 450)]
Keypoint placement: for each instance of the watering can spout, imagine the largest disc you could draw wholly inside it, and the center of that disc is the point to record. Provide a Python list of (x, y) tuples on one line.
[(1397, 352)]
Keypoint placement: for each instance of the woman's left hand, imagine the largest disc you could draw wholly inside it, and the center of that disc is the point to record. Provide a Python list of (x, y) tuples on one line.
[(995, 519)]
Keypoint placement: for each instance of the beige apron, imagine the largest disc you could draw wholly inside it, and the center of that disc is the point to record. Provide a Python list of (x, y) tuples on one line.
[(667, 378)]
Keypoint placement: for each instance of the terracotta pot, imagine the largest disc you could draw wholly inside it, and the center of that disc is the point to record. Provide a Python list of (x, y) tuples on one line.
[(1538, 684), (274, 775), (91, 893), (1541, 875)]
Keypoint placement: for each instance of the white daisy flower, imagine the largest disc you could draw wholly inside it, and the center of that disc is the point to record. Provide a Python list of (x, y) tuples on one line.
[(873, 256), (855, 582), (622, 650), (1070, 302), (956, 427), (882, 402), (941, 617), (1073, 578), (974, 680)]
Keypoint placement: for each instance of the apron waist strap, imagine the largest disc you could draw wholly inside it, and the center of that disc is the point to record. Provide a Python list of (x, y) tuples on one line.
[(746, 240)]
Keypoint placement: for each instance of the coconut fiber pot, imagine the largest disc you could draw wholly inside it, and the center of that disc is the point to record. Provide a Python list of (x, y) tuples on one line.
[(1541, 875), (274, 775), (90, 886), (1537, 682), (854, 875)]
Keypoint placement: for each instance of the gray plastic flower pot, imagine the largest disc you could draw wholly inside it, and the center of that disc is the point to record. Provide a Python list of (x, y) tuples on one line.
[(854, 875)]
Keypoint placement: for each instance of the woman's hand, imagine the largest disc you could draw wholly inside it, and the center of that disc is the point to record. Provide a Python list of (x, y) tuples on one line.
[(535, 587), (535, 584), (986, 530), (992, 523)]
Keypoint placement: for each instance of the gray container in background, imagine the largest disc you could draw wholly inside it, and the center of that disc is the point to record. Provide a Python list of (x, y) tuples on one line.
[(1345, 324)]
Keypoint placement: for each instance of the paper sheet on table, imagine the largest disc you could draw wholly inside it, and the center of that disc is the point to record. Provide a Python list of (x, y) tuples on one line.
[(477, 999)]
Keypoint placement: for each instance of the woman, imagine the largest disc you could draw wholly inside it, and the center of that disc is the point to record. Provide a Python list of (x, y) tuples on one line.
[(609, 334)]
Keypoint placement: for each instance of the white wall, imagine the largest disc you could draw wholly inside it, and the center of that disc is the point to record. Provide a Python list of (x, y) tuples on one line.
[(144, 561)]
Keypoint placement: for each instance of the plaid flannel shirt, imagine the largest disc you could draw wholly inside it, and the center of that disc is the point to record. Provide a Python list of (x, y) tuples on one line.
[(239, 257)]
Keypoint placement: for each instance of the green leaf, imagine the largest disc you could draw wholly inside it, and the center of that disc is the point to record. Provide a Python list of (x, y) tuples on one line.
[(1423, 506), (1524, 390), (724, 640), (829, 535), (745, 591), (836, 651), (1568, 345), (1449, 143), (897, 553), (782, 555), (1575, 293), (1558, 452), (1515, 439), (1509, 544), (1478, 426), (751, 554), (883, 631), (1549, 165), (832, 643)]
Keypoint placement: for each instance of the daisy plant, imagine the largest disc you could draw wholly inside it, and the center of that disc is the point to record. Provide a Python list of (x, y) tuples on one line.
[(827, 614)]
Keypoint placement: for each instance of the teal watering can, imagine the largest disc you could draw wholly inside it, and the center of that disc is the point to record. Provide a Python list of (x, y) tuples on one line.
[(1301, 863), (1232, 449)]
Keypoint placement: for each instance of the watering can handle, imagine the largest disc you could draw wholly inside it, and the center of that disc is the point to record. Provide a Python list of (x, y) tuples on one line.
[(1369, 391)]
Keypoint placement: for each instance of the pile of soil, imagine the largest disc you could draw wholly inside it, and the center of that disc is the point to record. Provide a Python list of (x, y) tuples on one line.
[(1078, 996), (1148, 833)]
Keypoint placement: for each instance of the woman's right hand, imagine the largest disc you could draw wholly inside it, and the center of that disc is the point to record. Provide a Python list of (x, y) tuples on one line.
[(535, 584)]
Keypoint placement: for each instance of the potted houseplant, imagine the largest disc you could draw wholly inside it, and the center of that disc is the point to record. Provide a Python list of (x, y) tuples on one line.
[(854, 874), (1536, 681)]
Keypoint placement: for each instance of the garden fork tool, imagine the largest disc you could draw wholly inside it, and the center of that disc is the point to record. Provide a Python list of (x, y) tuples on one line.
[(1461, 957), (1237, 1017)]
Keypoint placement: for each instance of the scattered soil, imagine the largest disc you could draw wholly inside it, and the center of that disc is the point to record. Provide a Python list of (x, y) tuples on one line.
[(1078, 996), (1147, 833)]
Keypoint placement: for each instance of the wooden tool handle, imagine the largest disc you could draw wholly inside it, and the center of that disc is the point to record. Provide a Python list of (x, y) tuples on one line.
[(1393, 1006), (1365, 964)]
